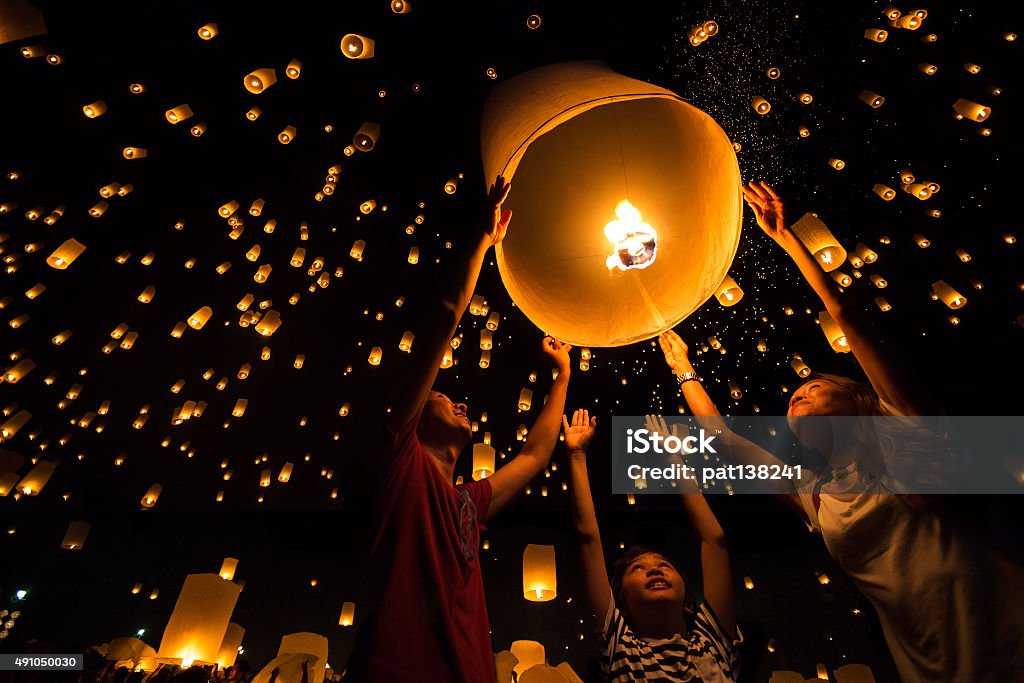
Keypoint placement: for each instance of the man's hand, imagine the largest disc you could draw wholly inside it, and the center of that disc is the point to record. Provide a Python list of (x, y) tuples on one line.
[(579, 434), (677, 353), (768, 209), (496, 220), (558, 353)]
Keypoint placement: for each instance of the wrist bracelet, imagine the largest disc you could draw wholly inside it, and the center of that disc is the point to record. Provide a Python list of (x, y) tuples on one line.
[(687, 377)]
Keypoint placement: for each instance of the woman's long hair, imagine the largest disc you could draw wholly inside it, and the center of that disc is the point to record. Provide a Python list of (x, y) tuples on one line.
[(897, 454)]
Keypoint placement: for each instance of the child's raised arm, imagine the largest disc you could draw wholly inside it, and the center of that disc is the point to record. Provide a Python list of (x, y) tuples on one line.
[(595, 576)]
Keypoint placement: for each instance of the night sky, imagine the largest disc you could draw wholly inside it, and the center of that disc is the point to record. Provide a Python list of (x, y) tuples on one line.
[(426, 86)]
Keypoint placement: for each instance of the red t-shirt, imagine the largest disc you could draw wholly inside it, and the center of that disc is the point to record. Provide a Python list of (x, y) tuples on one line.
[(431, 621)]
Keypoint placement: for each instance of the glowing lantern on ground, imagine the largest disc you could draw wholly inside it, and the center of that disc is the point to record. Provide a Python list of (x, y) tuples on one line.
[(259, 80), (355, 46), (199, 622), (529, 653), (483, 461), (589, 127), (820, 241), (948, 295), (835, 335), (348, 614), (729, 293), (539, 578), (152, 496)]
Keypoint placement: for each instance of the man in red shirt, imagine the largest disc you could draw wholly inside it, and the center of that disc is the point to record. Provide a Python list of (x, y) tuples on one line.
[(430, 623)]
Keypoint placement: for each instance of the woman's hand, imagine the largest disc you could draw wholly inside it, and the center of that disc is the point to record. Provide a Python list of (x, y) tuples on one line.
[(496, 220), (579, 434), (558, 353), (677, 353), (768, 209)]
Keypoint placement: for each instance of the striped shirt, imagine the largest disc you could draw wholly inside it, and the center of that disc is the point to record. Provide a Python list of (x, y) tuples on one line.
[(705, 654)]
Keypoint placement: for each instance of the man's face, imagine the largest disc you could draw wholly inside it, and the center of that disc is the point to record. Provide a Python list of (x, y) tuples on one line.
[(444, 422)]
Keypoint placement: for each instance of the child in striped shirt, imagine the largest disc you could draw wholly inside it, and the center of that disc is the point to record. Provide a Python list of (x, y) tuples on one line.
[(646, 620)]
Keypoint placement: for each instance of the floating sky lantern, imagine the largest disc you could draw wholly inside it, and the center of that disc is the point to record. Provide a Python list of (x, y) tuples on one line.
[(632, 146), (539, 579)]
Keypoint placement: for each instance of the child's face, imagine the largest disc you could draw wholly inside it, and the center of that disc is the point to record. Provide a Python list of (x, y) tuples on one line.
[(650, 579)]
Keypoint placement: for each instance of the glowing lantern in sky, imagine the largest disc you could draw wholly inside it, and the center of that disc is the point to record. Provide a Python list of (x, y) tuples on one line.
[(539, 580), (624, 196)]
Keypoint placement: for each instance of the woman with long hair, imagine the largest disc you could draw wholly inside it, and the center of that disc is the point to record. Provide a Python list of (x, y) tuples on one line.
[(943, 596)]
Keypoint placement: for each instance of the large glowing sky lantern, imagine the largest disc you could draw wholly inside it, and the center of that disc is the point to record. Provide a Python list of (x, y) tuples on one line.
[(626, 202)]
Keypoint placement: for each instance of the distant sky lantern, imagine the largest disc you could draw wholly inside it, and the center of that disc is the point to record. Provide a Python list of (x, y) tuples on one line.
[(294, 69), (286, 135), (265, 478), (773, 72), (835, 335), (227, 568), (948, 295), (15, 423), (136, 88), (927, 69), (400, 6), (253, 113), (734, 390), (882, 304), (837, 164), (929, 38), (877, 35), (525, 399), (842, 278), (803, 131), (198, 129), (492, 320), (761, 105), (151, 496), (256, 208), (799, 366), (375, 355), (450, 186), (406, 343), (259, 80), (98, 209), (178, 114), (820, 241), (356, 251), (208, 31), (971, 110), (200, 318), (907, 176), (147, 294), (262, 273), (729, 293), (622, 140), (865, 253), (533, 22), (805, 97), (919, 190), (414, 255), (74, 538), (485, 359), (239, 409), (883, 191), (539, 577), (963, 255), (97, 108), (366, 137), (269, 323), (972, 68), (483, 461), (65, 254), (891, 13), (486, 339), (447, 360), (872, 99), (355, 46), (911, 22), (367, 206), (348, 614)]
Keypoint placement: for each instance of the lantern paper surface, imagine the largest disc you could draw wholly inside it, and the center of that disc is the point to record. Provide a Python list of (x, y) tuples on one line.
[(75, 537), (529, 653), (577, 139), (309, 644), (18, 20), (200, 619), (229, 646)]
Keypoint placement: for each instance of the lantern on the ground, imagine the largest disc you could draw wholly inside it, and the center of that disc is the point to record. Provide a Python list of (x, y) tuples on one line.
[(607, 170)]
